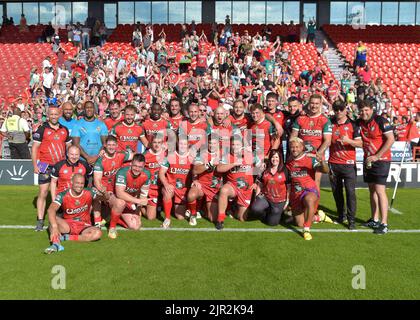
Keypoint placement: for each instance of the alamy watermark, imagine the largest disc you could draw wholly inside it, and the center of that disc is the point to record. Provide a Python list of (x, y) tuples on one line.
[(58, 281), (359, 280)]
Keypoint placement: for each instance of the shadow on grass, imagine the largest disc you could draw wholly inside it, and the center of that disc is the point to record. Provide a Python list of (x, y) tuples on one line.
[(333, 214)]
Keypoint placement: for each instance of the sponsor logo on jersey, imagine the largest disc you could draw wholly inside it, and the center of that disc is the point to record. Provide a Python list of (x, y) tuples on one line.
[(299, 174), (179, 171), (78, 210), (129, 138), (311, 132)]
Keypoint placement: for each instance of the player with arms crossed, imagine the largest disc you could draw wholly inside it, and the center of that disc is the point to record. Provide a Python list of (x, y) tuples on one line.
[(304, 192), (131, 188), (377, 137), (75, 225)]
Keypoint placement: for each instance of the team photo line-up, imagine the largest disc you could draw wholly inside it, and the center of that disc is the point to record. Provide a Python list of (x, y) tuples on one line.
[(230, 163)]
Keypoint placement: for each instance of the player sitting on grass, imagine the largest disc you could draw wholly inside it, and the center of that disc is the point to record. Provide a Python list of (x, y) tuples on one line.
[(76, 224), (131, 188), (304, 191)]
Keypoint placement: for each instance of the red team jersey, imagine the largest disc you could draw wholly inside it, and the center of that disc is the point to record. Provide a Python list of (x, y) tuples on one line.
[(274, 186), (178, 174), (312, 129), (134, 186), (127, 136), (261, 137), (110, 123), (153, 164), (175, 121), (372, 133), (210, 180), (343, 154), (240, 178), (64, 171), (278, 116), (152, 127), (76, 209), (196, 132), (109, 167), (302, 179), (53, 143), (241, 124)]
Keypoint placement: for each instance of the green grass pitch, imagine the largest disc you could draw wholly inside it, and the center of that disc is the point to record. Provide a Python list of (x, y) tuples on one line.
[(213, 265)]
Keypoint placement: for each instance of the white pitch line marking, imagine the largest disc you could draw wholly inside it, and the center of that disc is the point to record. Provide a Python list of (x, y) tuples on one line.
[(270, 230)]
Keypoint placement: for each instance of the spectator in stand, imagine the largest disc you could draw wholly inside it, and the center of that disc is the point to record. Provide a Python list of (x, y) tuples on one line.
[(360, 55), (23, 27), (85, 37), (137, 37), (311, 30)]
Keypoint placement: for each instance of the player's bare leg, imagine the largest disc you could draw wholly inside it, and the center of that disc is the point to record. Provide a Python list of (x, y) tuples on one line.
[(309, 201), (242, 213), (41, 203), (180, 211), (212, 210), (225, 193), (90, 234), (151, 212), (374, 202), (194, 194), (133, 221), (380, 190)]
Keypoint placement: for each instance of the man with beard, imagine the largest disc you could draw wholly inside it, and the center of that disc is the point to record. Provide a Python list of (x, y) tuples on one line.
[(156, 124), (127, 132), (115, 114), (67, 120)]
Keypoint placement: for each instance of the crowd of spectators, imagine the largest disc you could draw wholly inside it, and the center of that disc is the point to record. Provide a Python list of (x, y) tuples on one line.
[(228, 66)]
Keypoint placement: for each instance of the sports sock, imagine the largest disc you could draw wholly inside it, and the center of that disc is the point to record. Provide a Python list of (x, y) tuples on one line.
[(98, 219), (307, 224), (114, 219), (56, 240), (167, 207), (316, 218), (221, 217), (192, 206)]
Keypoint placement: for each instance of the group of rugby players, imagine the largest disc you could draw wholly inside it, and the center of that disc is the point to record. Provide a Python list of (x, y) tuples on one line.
[(229, 163)]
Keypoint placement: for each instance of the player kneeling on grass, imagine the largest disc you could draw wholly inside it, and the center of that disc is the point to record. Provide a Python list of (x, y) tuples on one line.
[(131, 188), (238, 167), (175, 175), (304, 192), (76, 224), (208, 181)]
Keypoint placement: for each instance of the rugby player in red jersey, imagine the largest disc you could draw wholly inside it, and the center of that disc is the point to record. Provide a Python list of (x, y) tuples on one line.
[(75, 225), (175, 115), (238, 169), (194, 129), (238, 117), (314, 129), (263, 134), (115, 114), (377, 137), (154, 157), (104, 173), (127, 132), (64, 170), (304, 192), (175, 176), (272, 102), (208, 181), (132, 189), (223, 130), (342, 161), (49, 147), (156, 124)]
